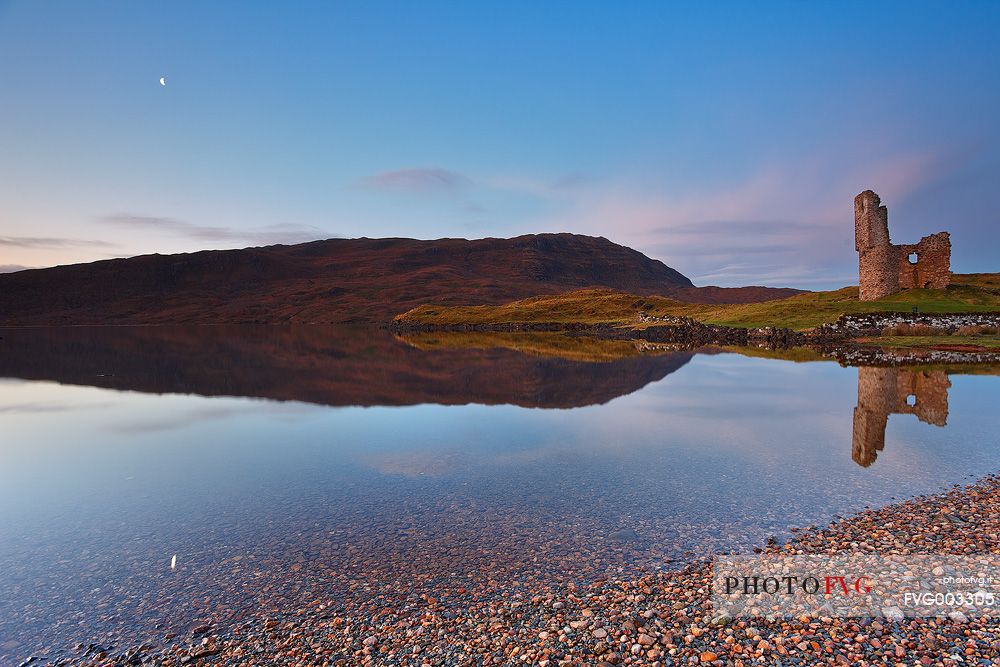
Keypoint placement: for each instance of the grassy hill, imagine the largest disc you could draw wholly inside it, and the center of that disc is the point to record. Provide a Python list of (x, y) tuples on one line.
[(340, 281), (969, 293), (335, 280)]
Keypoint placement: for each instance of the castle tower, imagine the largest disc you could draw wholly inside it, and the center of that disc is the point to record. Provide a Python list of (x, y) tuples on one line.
[(877, 258)]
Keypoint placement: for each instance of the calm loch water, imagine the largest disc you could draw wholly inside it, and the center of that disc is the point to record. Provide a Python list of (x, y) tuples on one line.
[(279, 464)]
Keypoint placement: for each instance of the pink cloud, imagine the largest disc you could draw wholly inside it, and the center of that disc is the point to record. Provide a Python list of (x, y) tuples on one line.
[(788, 226)]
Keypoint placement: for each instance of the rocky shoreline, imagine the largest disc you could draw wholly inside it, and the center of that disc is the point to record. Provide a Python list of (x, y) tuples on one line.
[(835, 340), (685, 329), (659, 620)]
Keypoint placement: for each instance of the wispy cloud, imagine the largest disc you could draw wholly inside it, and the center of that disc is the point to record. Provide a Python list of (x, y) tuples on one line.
[(42, 407), (271, 234), (11, 268), (214, 412), (563, 187), (792, 275), (51, 242), (418, 179), (570, 181)]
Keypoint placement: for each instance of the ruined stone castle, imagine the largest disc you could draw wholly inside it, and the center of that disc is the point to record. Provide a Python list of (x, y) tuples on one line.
[(885, 268)]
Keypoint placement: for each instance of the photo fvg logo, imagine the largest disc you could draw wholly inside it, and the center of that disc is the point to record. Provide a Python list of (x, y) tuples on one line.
[(791, 585), (855, 585)]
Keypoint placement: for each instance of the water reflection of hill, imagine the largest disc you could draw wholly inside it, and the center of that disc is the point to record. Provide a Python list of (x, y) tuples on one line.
[(323, 365)]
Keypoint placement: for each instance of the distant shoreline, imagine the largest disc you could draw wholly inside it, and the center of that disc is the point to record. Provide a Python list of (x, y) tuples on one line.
[(962, 320)]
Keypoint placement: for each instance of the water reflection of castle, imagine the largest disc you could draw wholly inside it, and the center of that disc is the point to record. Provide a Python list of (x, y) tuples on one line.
[(886, 391)]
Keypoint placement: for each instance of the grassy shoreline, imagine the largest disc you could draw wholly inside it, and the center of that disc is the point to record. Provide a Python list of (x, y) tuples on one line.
[(957, 343), (602, 309), (972, 293)]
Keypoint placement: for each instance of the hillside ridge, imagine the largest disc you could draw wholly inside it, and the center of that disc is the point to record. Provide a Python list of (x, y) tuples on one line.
[(338, 281)]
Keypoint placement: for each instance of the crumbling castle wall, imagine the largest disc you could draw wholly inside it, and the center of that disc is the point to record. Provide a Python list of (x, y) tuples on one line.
[(932, 267), (884, 268), (888, 391)]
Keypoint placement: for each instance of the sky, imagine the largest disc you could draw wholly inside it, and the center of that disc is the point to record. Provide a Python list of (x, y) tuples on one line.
[(726, 139)]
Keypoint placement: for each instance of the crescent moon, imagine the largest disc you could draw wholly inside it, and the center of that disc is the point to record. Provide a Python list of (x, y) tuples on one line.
[(163, 80)]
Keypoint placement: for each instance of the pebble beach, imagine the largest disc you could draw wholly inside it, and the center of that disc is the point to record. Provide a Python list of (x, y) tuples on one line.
[(658, 620)]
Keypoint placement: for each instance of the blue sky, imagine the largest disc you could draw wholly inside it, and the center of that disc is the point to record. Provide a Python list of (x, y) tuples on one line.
[(727, 139)]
